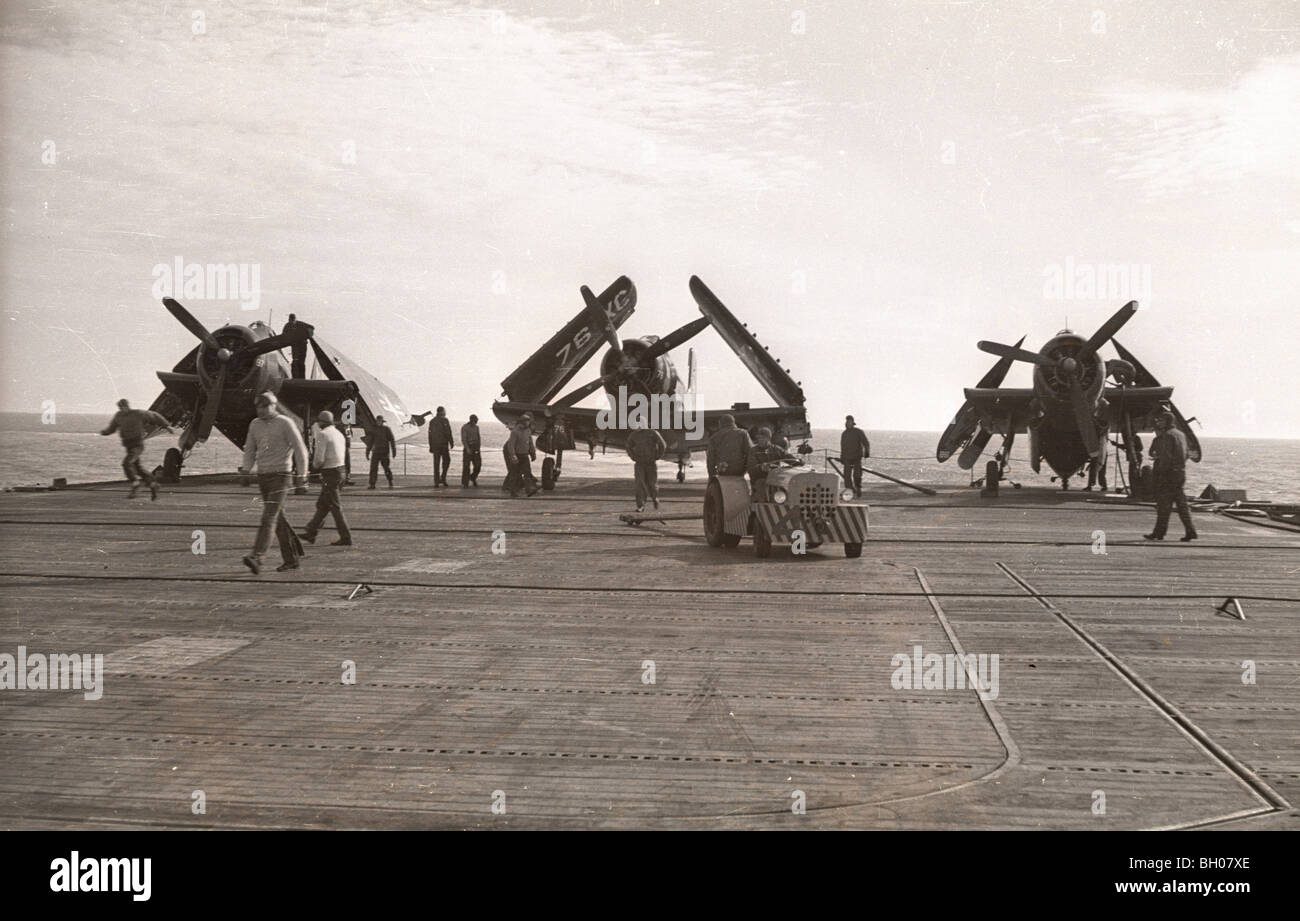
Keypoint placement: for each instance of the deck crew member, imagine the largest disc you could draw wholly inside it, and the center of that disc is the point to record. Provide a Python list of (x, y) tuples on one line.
[(765, 451), (1169, 459), (728, 449), (519, 450), (130, 424), (854, 447), (645, 446), (440, 445), (381, 449), (327, 456), (299, 349), (275, 447), (347, 451), (471, 446)]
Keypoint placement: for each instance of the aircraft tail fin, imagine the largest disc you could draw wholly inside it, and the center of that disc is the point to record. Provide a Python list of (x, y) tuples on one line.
[(552, 366)]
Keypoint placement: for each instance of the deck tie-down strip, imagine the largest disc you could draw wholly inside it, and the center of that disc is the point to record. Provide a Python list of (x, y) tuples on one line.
[(1244, 775)]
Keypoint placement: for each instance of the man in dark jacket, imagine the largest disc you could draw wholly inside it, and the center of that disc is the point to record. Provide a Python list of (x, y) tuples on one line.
[(471, 446), (519, 450), (645, 446), (854, 446), (440, 445), (299, 349), (764, 452), (131, 424), (1169, 460), (382, 447), (728, 450)]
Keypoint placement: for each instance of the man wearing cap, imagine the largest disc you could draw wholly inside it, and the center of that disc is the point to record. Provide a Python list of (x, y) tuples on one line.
[(728, 449), (440, 445), (854, 446), (380, 449), (298, 350), (764, 453), (519, 451), (275, 447), (1169, 461), (471, 446), (130, 424), (327, 457), (645, 446)]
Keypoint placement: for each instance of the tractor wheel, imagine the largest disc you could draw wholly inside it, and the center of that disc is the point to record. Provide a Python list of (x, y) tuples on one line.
[(853, 550), (172, 466), (714, 516), (762, 543), (548, 474)]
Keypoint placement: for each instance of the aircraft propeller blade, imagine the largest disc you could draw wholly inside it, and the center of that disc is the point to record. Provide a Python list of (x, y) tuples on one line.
[(586, 390), (190, 322), (1007, 351), (1108, 329), (275, 343), (211, 403), (675, 338), (600, 320), (1083, 416)]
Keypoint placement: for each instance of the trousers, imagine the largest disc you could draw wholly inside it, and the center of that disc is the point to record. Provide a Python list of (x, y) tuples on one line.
[(647, 481), (328, 503), (471, 462), (1169, 494), (131, 463), (376, 460), (275, 489)]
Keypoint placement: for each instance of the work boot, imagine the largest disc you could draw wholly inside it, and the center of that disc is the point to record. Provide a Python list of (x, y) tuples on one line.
[(656, 502), (1153, 537), (286, 566), (253, 563), (135, 488), (1188, 538), (308, 537), (340, 543), (153, 492)]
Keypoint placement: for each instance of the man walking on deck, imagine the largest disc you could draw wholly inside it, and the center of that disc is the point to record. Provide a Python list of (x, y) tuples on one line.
[(645, 446), (471, 446), (275, 447), (327, 457), (440, 445), (854, 447), (131, 424), (519, 451), (1169, 462), (382, 447)]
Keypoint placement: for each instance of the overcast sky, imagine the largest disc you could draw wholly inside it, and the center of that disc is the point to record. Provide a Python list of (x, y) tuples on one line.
[(872, 187)]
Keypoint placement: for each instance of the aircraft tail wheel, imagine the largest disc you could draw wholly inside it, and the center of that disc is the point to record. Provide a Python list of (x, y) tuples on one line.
[(548, 473), (714, 516), (171, 467), (762, 543), (853, 550)]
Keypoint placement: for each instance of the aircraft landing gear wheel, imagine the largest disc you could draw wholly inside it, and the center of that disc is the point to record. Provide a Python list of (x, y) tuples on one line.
[(762, 543), (853, 550), (548, 474), (171, 467), (681, 476)]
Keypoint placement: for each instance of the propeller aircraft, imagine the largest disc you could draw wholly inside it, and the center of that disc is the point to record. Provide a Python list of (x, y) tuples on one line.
[(640, 369), (213, 386), (1076, 398)]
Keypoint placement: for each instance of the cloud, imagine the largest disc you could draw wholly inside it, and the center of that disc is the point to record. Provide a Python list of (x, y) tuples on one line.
[(1171, 141)]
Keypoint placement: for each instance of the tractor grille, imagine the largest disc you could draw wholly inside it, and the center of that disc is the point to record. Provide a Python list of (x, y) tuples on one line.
[(816, 494)]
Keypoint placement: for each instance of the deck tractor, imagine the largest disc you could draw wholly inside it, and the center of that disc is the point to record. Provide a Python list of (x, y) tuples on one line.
[(796, 500)]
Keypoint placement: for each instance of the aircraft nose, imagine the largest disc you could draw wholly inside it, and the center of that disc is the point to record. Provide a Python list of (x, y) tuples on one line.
[(1069, 365), (224, 354)]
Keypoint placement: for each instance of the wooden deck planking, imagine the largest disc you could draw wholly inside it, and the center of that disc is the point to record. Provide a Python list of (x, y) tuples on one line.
[(768, 673)]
